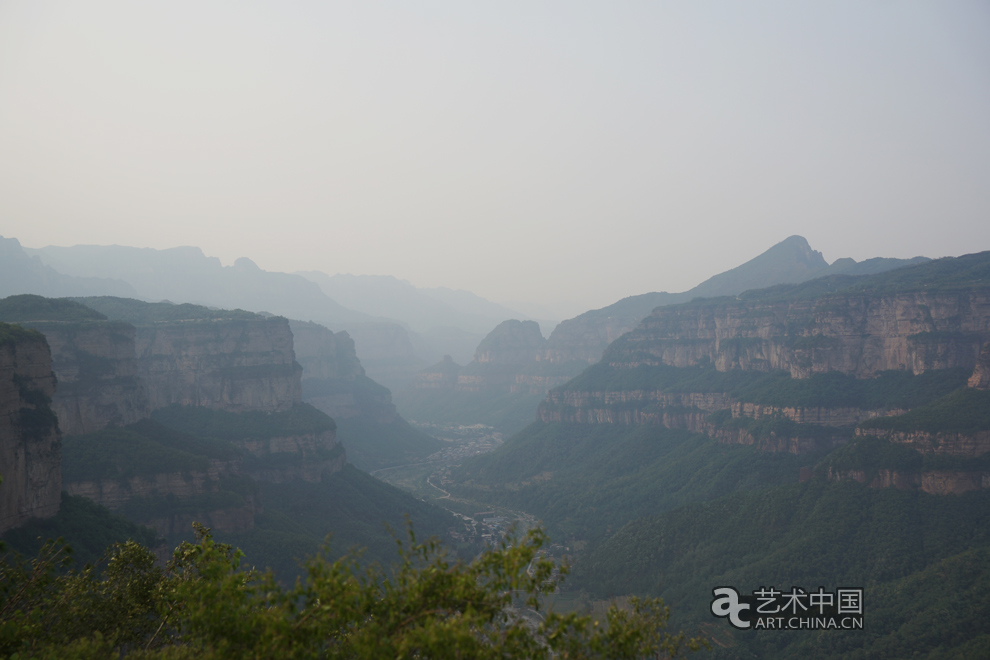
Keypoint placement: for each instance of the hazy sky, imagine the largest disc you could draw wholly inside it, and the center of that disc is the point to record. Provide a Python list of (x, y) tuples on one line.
[(539, 151)]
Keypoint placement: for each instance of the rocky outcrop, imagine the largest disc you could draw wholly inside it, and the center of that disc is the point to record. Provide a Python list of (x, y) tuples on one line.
[(323, 353), (30, 444), (980, 380), (229, 364), (93, 359), (934, 482), (859, 334), (97, 372), (968, 445), (333, 379), (512, 343), (692, 411), (567, 405)]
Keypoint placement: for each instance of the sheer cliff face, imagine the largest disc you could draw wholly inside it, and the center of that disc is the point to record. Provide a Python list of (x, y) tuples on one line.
[(859, 335), (97, 371), (324, 353), (853, 334), (233, 365), (30, 451), (586, 337), (333, 379)]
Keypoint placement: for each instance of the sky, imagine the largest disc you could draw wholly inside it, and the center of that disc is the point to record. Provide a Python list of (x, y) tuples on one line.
[(562, 153)]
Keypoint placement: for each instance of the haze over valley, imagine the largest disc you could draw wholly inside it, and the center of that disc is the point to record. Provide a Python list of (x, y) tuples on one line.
[(462, 330)]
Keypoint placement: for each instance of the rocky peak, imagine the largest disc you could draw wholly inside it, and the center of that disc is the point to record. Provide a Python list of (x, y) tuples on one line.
[(511, 343)]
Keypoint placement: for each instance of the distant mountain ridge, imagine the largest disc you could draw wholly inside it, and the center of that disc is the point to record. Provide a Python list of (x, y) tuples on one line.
[(422, 309), (397, 328), (585, 337), (22, 273)]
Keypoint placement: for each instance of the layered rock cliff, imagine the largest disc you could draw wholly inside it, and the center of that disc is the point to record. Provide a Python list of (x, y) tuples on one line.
[(859, 334), (30, 444), (333, 379), (235, 365), (193, 463), (225, 359), (93, 359), (586, 337), (738, 356)]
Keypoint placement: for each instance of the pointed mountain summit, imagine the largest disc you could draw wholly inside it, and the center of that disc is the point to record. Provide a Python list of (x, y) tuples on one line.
[(791, 261)]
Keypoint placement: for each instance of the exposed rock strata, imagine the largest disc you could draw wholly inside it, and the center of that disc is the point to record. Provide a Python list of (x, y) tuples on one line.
[(934, 482), (853, 334), (97, 372), (233, 365), (586, 337), (114, 493), (306, 457), (333, 379), (30, 444), (968, 445)]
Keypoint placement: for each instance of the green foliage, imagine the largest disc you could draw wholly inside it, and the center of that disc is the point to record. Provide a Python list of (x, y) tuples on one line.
[(158, 506), (603, 377), (140, 449), (45, 612), (12, 334), (890, 389), (203, 606), (143, 313), (810, 534), (584, 480), (301, 419), (778, 427), (354, 507), (963, 411), (89, 527), (871, 455), (28, 307)]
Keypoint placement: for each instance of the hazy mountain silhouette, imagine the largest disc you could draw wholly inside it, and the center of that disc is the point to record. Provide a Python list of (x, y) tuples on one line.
[(789, 262), (22, 273)]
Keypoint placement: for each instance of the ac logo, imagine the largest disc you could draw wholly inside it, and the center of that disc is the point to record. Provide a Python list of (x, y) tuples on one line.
[(726, 603)]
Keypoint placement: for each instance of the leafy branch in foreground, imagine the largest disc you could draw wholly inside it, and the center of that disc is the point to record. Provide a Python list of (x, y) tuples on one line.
[(203, 605)]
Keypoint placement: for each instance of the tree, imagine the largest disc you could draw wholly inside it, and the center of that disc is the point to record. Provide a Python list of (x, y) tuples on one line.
[(203, 605)]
